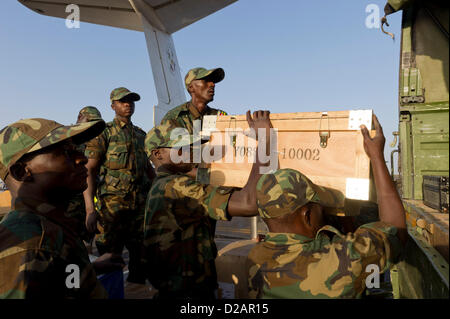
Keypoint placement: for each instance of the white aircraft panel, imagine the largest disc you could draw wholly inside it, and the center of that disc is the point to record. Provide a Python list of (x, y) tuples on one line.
[(114, 13), (173, 14), (97, 3), (176, 15), (155, 3), (166, 70)]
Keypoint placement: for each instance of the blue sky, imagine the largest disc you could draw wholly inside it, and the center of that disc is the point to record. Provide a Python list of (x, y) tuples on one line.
[(285, 56)]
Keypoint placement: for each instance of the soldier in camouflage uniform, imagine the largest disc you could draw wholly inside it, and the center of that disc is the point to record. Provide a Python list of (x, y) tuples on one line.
[(43, 170), (301, 257), (200, 83), (76, 208), (89, 114), (178, 235), (118, 157)]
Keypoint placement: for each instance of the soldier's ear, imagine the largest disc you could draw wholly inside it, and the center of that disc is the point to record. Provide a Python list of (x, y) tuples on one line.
[(156, 154), (21, 172), (190, 89), (305, 213)]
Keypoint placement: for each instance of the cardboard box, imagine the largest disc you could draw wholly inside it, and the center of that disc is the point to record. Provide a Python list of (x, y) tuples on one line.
[(325, 146)]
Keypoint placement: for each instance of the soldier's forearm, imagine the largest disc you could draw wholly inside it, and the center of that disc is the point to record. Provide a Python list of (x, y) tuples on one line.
[(390, 207), (89, 193), (243, 202)]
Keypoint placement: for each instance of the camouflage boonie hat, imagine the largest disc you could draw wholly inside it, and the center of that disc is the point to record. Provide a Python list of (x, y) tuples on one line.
[(91, 113), (121, 92), (160, 137), (286, 190), (30, 135), (200, 73)]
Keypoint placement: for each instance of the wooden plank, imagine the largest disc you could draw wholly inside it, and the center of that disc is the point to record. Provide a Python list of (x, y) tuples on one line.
[(298, 147), (434, 226), (302, 150), (362, 163), (310, 121)]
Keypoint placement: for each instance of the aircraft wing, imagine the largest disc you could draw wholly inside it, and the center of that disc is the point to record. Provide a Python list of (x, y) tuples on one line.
[(171, 15)]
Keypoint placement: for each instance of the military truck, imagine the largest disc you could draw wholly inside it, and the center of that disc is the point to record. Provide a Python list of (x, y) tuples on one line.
[(423, 146)]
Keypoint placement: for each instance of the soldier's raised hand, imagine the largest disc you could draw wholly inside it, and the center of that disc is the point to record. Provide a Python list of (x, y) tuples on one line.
[(259, 120), (374, 146)]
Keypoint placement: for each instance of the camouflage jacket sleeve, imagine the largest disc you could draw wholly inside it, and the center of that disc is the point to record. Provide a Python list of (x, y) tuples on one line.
[(198, 198), (373, 244), (34, 260), (377, 243), (42, 275), (96, 148)]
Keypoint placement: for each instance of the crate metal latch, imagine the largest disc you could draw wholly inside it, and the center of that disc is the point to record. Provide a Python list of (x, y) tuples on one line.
[(233, 134), (324, 134)]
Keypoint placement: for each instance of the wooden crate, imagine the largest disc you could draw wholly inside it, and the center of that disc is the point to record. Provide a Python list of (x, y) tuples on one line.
[(5, 203), (5, 199), (340, 162)]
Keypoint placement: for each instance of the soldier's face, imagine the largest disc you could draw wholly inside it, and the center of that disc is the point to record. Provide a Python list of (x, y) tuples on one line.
[(60, 167), (185, 156), (169, 159), (203, 89), (123, 107)]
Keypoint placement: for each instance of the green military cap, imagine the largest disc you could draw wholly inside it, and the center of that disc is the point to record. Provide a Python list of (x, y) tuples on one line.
[(168, 135), (91, 113), (217, 75), (121, 92), (286, 190), (30, 135)]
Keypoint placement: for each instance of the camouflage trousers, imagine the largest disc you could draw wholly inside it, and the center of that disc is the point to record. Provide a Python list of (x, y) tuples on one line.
[(121, 227)]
